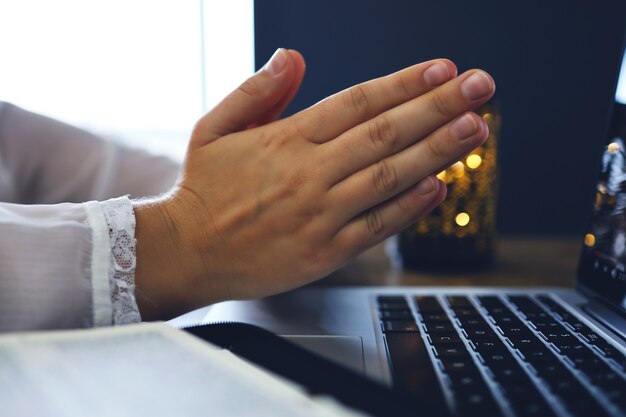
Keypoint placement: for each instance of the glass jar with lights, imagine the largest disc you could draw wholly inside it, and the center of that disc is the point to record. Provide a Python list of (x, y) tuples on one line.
[(460, 232)]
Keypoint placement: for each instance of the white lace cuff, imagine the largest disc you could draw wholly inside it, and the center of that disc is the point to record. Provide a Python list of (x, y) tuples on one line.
[(120, 218)]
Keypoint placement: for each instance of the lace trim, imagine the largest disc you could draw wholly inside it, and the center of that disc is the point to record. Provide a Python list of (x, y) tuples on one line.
[(120, 218)]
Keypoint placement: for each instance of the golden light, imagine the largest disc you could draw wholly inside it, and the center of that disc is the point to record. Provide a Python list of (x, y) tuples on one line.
[(602, 189), (442, 175), (590, 240), (458, 169), (613, 147), (473, 161), (462, 219)]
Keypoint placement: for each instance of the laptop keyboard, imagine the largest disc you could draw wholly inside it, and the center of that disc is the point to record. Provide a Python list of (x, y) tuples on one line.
[(511, 356)]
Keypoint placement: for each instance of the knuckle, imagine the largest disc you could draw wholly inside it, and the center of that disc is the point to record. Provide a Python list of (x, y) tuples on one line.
[(374, 222), (385, 177), (250, 87), (358, 98), (383, 133), (272, 140), (435, 148), (442, 104), (401, 85), (407, 204), (299, 130)]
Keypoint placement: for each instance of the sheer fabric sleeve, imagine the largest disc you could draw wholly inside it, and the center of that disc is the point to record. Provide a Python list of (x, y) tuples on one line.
[(44, 161)]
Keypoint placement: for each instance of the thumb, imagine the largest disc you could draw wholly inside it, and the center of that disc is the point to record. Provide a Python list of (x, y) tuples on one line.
[(254, 102)]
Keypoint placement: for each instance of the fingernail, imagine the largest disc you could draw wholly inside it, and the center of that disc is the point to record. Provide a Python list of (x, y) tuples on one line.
[(425, 186), (476, 86), (277, 62), (464, 127), (437, 74)]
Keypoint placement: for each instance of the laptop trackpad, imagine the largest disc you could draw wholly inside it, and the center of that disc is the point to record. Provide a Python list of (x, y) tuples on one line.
[(346, 350)]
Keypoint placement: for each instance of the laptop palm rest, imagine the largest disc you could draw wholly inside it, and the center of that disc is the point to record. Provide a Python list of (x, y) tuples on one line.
[(346, 350)]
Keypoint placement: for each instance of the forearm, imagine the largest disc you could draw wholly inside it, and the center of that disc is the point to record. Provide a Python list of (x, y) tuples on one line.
[(51, 271), (44, 161)]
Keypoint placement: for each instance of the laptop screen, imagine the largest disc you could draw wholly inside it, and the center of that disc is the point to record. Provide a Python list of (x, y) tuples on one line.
[(602, 268)]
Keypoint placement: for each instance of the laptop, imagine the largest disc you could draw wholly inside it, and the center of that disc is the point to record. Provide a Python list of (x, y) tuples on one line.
[(482, 351)]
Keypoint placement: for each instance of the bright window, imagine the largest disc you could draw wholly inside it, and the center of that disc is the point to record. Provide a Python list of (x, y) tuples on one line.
[(141, 71)]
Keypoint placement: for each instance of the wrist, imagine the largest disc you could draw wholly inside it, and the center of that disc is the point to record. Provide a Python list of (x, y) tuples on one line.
[(163, 271)]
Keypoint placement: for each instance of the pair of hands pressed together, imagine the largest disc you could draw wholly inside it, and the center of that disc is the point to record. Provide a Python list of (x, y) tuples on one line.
[(267, 205)]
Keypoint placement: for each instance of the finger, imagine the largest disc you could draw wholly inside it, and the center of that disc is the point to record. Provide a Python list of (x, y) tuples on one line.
[(250, 101), (364, 101), (403, 125), (279, 108), (378, 223), (391, 176)]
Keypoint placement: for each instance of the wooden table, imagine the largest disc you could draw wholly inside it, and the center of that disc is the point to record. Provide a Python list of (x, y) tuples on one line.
[(519, 261)]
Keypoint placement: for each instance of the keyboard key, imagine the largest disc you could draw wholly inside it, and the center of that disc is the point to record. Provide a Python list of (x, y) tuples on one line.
[(526, 400), (520, 389), (490, 301), (516, 330), (499, 360), (606, 379), (466, 312), (392, 299), (553, 370), (611, 352), (445, 338), (524, 303), (459, 301), (411, 366), (402, 326), (426, 317), (440, 327), (464, 380), (537, 317), (506, 375), (460, 364), (480, 332), (393, 307), (396, 315), (525, 343), (472, 321), (583, 404), (452, 350), (490, 346), (538, 356), (429, 304), (588, 363), (476, 400), (506, 320)]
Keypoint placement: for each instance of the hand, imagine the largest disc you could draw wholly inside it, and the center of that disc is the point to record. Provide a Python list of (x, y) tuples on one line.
[(265, 206)]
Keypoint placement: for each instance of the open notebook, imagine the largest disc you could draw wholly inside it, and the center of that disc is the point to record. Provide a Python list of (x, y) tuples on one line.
[(146, 369)]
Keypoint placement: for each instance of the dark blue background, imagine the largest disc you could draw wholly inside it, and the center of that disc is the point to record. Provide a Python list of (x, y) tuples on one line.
[(554, 63)]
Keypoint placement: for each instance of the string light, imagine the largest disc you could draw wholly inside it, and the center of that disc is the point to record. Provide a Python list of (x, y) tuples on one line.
[(590, 240), (462, 219), (458, 169), (473, 161)]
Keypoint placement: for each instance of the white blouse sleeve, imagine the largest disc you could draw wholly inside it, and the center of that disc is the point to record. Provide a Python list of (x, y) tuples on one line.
[(68, 265), (44, 161), (55, 266)]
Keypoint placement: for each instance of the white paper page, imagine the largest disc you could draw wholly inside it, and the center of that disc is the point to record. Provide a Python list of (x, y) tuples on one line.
[(140, 370)]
